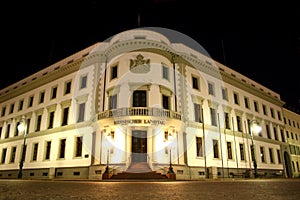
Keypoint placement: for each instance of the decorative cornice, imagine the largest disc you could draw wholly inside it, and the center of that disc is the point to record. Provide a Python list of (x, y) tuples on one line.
[(197, 99), (113, 90), (249, 88), (139, 85), (164, 90), (226, 108), (213, 104)]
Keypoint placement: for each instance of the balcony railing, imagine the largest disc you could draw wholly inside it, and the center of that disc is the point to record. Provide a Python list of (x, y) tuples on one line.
[(139, 111)]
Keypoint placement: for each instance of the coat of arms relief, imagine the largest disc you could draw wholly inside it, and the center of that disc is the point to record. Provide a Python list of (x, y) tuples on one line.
[(140, 65)]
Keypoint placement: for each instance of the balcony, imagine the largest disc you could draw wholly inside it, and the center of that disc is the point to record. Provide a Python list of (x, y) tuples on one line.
[(139, 111)]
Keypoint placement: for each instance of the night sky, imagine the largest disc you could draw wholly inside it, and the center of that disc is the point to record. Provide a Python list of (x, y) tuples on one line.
[(259, 41)]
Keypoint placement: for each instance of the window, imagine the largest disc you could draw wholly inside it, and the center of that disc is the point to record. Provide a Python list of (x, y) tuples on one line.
[(272, 112), (12, 107), (54, 92), (165, 72), (7, 131), (81, 112), (275, 133), (83, 82), (114, 72), (27, 125), (279, 156), (16, 129), (113, 102), (287, 134), (21, 103), (229, 150), (48, 149), (227, 121), (293, 166), (166, 102), (268, 131), (249, 125), (51, 119), (216, 148), (35, 151), (213, 117), (65, 116), (271, 155), (30, 102), (236, 98), (256, 106), (78, 146), (13, 154), (224, 94), (3, 111), (239, 124), (1, 131), (279, 115), (246, 101), (211, 89), (252, 152), (242, 151), (139, 98), (282, 135), (62, 148), (197, 111), (38, 122), (42, 97), (3, 156), (262, 154), (23, 152), (199, 146), (68, 87), (195, 82), (264, 109)]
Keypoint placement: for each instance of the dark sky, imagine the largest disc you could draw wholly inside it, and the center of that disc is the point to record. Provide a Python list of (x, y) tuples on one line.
[(260, 41)]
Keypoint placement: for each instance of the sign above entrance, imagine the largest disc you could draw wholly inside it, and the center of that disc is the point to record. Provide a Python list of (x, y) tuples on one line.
[(139, 121)]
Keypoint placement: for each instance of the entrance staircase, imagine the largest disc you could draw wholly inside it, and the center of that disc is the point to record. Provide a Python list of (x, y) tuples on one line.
[(139, 170)]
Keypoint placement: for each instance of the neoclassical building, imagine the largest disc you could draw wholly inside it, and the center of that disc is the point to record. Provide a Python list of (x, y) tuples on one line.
[(141, 97)]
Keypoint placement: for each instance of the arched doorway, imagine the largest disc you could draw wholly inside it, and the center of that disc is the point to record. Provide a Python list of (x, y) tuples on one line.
[(287, 162)]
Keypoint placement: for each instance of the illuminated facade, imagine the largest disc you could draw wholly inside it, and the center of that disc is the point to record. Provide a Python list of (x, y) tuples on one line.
[(292, 125), (139, 97)]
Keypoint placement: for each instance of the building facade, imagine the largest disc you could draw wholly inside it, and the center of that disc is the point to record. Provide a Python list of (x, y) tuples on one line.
[(141, 97), (292, 127)]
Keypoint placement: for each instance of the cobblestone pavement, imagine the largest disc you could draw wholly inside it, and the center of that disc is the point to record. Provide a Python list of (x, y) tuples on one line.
[(265, 189)]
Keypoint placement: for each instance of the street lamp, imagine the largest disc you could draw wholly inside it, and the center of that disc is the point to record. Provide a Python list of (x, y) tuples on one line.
[(170, 171), (106, 172), (22, 127), (255, 128)]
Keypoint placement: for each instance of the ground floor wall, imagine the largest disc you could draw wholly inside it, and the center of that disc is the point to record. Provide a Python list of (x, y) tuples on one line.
[(182, 173)]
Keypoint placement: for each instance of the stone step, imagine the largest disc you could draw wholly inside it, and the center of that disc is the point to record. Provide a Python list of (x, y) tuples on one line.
[(139, 170), (138, 167), (143, 175)]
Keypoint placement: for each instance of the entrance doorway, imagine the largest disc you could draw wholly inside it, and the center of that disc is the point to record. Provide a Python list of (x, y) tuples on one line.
[(139, 146)]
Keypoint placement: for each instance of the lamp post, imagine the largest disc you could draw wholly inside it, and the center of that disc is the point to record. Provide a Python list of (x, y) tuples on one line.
[(22, 127), (254, 128), (170, 171), (106, 172)]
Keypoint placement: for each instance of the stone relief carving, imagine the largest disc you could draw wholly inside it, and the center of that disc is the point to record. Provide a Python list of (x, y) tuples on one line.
[(140, 65)]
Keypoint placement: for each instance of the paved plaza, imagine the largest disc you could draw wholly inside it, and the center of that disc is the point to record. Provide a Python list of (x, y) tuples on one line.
[(273, 189)]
